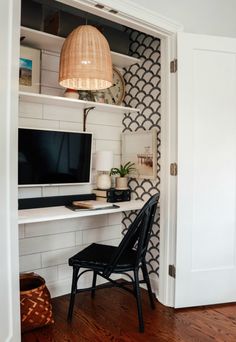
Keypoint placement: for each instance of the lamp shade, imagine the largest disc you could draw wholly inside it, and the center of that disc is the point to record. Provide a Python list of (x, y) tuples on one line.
[(85, 60), (104, 160)]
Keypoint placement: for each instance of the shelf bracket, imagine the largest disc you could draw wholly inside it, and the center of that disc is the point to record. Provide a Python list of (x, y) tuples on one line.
[(86, 111)]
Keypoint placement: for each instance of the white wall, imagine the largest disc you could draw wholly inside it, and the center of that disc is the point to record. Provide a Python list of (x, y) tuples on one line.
[(215, 17)]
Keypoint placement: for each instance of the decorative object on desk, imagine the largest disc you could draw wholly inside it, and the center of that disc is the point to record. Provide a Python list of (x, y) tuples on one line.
[(104, 163), (52, 201), (86, 95), (115, 94), (99, 96), (29, 71), (91, 204), (85, 60), (35, 302), (113, 195), (71, 94), (100, 193), (123, 171), (141, 149)]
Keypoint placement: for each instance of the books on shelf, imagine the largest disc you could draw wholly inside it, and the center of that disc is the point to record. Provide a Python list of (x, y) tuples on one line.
[(100, 198), (100, 193)]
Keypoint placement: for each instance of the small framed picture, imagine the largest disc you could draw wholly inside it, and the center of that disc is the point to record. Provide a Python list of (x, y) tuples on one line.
[(141, 148), (29, 70)]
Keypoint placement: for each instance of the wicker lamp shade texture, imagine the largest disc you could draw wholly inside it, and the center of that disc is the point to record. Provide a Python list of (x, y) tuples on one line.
[(85, 60)]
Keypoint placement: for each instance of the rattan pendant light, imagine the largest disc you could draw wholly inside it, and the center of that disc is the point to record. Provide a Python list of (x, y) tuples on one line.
[(85, 61)]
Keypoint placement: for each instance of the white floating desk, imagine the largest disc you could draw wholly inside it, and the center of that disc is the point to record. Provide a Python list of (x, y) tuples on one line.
[(60, 213)]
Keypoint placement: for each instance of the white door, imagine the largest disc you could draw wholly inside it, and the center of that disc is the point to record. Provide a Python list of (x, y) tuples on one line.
[(206, 200), (9, 270)]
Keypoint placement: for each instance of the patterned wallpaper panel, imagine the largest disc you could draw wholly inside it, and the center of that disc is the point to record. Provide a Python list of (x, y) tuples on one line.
[(143, 91)]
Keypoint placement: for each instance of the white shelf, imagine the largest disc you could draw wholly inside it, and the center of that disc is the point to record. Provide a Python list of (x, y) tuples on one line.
[(61, 213), (123, 61), (72, 103), (46, 41)]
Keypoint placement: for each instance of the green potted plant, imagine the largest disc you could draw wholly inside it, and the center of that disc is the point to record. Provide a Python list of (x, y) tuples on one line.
[(123, 171)]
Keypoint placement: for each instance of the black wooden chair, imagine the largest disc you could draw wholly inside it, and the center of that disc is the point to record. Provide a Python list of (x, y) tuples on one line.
[(104, 260)]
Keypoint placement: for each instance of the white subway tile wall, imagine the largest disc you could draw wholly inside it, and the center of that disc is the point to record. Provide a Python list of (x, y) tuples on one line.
[(99, 234), (60, 256), (46, 242), (21, 231), (29, 192), (45, 247), (30, 262)]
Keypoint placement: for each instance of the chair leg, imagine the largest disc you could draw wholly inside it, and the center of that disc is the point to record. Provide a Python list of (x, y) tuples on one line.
[(73, 292), (147, 280), (94, 283), (138, 300)]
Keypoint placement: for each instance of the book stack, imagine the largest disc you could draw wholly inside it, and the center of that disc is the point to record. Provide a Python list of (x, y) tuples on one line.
[(101, 195), (112, 195)]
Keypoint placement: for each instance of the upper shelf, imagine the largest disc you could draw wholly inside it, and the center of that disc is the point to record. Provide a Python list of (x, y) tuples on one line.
[(46, 41), (63, 101)]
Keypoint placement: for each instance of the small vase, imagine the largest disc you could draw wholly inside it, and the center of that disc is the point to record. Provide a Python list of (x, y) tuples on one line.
[(103, 181), (121, 183)]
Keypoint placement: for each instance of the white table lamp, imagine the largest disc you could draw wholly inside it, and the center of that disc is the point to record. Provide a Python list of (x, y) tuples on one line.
[(104, 163)]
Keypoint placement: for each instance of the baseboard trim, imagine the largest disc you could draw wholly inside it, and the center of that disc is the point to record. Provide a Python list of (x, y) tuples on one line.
[(155, 286), (59, 288)]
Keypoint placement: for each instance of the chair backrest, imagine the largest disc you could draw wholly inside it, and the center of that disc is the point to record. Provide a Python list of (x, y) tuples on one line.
[(137, 236)]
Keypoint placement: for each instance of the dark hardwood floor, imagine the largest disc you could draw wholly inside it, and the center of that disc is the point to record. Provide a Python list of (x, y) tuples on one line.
[(112, 316)]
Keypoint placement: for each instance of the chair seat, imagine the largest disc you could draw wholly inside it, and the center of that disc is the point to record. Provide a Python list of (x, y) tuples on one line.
[(98, 256), (104, 260)]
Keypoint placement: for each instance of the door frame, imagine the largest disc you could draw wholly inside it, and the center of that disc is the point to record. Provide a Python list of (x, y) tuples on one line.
[(165, 29), (9, 256)]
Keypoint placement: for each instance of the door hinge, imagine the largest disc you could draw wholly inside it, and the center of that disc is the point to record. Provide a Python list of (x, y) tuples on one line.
[(172, 271), (173, 169), (173, 66)]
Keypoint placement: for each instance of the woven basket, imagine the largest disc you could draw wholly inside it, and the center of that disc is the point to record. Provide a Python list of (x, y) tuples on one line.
[(35, 302)]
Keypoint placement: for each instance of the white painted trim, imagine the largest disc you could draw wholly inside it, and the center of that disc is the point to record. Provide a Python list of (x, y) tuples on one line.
[(129, 10), (9, 70), (59, 287), (155, 285), (166, 25), (168, 182), (131, 15)]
